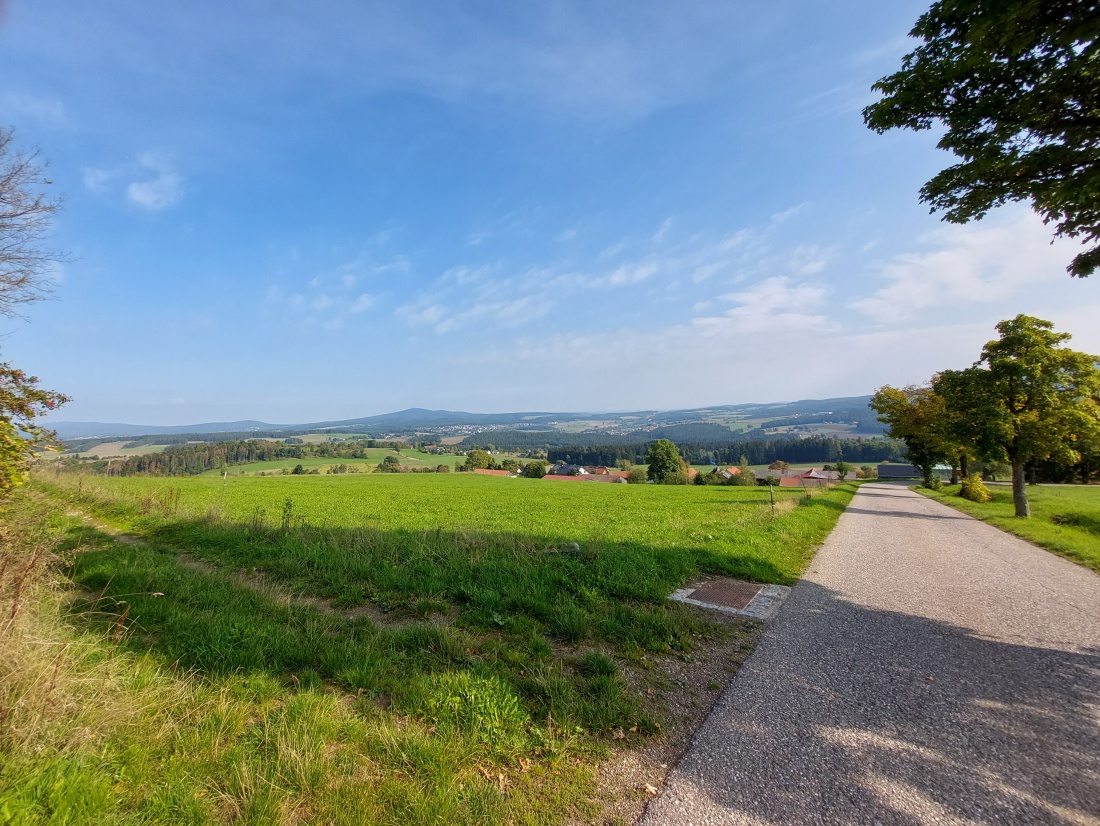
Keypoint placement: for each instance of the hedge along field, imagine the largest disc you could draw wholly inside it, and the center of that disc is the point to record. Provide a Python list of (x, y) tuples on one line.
[(480, 629)]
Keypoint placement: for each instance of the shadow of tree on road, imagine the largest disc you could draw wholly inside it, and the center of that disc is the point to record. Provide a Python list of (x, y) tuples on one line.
[(884, 717)]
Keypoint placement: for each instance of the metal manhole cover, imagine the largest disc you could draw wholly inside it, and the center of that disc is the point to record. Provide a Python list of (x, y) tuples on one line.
[(731, 596)]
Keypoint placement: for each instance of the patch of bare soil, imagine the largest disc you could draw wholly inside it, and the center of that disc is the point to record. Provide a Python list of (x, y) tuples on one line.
[(681, 690)]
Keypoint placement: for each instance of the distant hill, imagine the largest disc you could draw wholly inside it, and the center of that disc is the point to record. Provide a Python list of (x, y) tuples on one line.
[(87, 430), (848, 409)]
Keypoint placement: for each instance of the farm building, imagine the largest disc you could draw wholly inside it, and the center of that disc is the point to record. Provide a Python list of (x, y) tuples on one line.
[(892, 471), (812, 478)]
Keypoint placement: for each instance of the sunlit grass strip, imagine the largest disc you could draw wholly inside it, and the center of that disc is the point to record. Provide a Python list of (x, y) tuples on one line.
[(488, 693), (95, 733)]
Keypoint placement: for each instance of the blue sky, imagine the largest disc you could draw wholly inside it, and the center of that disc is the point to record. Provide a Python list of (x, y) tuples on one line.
[(293, 212)]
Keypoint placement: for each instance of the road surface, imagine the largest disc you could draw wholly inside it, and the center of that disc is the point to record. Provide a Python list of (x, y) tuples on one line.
[(929, 668)]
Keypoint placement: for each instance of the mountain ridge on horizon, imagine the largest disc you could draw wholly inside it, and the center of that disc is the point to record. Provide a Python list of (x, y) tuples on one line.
[(422, 418)]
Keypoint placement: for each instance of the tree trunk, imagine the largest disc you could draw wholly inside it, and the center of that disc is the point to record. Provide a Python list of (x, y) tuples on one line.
[(964, 465), (1019, 490)]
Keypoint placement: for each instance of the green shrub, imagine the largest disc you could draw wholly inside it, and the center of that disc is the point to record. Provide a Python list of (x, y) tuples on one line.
[(484, 709), (974, 489)]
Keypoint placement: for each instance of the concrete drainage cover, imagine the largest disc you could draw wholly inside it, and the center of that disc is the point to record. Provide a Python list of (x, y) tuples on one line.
[(730, 596)]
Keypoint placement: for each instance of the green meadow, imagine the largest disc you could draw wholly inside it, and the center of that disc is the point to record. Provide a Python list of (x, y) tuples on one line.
[(1064, 518), (348, 649), (374, 456)]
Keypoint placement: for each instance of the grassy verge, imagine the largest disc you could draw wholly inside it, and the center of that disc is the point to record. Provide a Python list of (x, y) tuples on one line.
[(1065, 520), (380, 649)]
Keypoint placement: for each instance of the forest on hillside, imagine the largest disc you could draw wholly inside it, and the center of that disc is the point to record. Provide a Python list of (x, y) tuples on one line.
[(814, 449)]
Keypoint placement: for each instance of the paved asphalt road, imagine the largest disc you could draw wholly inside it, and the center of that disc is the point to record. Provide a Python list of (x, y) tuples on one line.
[(928, 669)]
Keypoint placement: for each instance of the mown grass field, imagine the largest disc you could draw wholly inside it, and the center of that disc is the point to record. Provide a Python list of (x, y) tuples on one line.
[(108, 449), (374, 456), (383, 649), (1064, 519)]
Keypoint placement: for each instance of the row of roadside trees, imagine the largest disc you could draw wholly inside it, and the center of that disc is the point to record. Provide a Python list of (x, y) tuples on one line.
[(1028, 401)]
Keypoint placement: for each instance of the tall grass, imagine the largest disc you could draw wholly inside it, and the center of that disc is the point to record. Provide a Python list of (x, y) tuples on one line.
[(344, 653), (94, 733)]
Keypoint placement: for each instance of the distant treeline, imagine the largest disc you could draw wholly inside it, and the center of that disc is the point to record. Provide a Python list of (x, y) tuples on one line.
[(192, 459), (817, 449), (521, 439)]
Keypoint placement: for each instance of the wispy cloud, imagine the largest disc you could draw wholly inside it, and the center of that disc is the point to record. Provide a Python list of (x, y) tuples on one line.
[(17, 107), (776, 304), (969, 265), (632, 274), (330, 297), (150, 182), (162, 190)]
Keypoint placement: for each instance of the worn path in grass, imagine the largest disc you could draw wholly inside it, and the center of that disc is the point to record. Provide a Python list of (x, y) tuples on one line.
[(929, 668)]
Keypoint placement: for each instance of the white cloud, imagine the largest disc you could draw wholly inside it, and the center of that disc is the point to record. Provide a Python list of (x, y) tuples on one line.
[(662, 230), (17, 106), (157, 186), (332, 296), (973, 264), (161, 191), (661, 270), (96, 179), (363, 302), (773, 304)]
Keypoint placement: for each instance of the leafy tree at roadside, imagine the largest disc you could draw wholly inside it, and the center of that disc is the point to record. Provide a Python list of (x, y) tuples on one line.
[(1029, 399), (843, 469), (916, 415), (1015, 85), (665, 464), (25, 215)]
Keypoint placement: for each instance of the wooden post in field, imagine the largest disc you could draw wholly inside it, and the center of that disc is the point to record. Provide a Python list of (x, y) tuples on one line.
[(771, 495)]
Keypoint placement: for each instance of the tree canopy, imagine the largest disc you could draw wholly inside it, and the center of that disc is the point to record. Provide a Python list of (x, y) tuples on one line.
[(915, 414), (1029, 399), (1016, 86), (664, 462), (25, 215)]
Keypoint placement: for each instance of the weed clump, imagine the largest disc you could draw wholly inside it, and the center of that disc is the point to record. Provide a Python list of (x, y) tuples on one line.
[(484, 709), (974, 489)]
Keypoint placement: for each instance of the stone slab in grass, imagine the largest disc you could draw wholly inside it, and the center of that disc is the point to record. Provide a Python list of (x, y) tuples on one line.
[(732, 596)]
